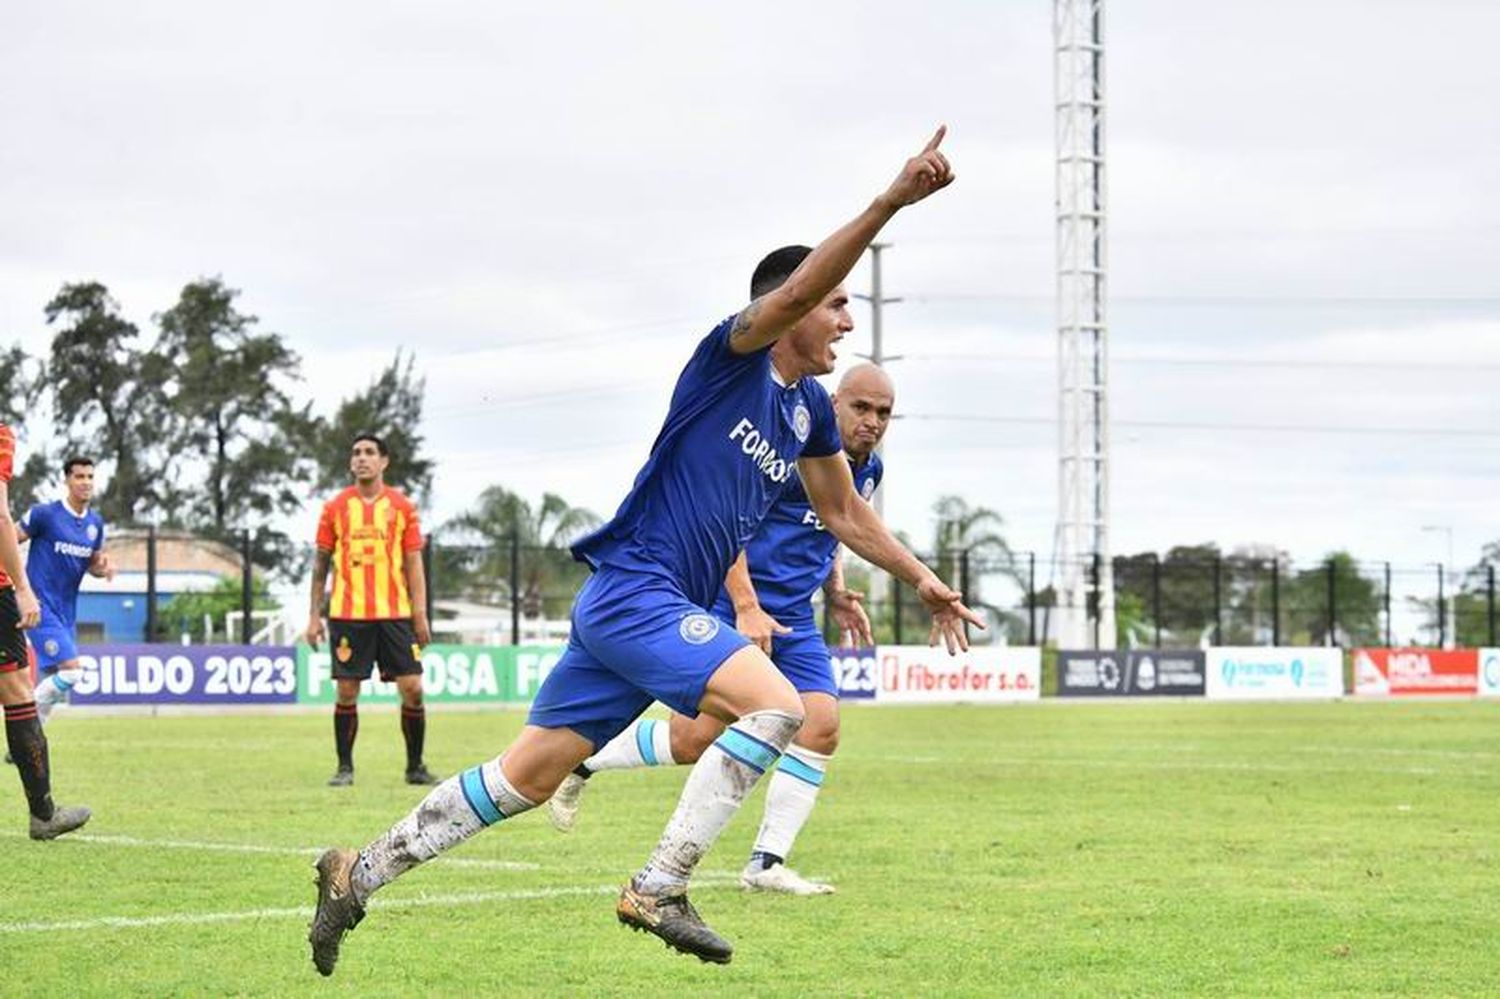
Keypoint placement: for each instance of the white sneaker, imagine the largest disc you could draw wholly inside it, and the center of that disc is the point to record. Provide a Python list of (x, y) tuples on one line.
[(779, 877), (562, 807)]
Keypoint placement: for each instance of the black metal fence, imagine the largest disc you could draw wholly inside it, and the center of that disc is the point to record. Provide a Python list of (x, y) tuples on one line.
[(512, 589)]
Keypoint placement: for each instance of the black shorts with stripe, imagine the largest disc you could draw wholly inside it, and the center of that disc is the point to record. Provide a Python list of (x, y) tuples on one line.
[(359, 646), (13, 653)]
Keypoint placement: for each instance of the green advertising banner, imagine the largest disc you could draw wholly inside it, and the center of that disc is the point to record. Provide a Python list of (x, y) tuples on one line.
[(480, 674)]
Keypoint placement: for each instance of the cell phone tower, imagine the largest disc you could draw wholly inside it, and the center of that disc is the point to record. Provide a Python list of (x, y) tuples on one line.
[(1082, 569)]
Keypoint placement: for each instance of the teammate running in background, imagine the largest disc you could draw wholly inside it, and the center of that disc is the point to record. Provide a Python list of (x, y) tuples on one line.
[(67, 541), (23, 729), (370, 535), (768, 598), (737, 426)]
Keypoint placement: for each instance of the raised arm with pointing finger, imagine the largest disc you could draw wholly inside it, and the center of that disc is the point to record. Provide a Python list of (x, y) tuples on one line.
[(769, 316)]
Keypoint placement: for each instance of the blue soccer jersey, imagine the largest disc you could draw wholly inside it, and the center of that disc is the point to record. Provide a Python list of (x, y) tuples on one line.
[(728, 448), (792, 554), (62, 545), (641, 630)]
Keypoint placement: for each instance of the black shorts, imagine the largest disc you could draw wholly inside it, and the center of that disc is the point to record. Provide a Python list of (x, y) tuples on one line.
[(360, 645), (13, 652)]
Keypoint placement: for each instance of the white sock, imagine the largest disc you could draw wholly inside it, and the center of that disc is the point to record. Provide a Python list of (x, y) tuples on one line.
[(53, 689), (789, 800), (717, 786), (456, 809), (646, 743)]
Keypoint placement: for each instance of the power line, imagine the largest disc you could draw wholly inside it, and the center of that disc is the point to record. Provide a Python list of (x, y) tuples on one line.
[(1275, 428), (1226, 362)]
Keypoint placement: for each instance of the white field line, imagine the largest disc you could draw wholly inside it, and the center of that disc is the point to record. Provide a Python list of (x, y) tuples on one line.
[(1095, 763), (305, 912), (278, 851)]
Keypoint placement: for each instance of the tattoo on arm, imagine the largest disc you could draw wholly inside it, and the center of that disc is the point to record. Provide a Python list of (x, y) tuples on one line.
[(744, 321), (320, 577)]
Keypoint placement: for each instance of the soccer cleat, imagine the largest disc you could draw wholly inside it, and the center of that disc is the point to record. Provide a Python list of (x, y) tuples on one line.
[(64, 820), (562, 807), (675, 921), (338, 911), (779, 877), (342, 777), (419, 774)]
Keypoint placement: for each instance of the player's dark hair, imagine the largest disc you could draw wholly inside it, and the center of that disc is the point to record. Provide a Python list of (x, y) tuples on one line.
[(379, 443), (772, 272), (74, 461)]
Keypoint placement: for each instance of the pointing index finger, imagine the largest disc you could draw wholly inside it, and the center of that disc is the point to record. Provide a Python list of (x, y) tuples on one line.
[(936, 140)]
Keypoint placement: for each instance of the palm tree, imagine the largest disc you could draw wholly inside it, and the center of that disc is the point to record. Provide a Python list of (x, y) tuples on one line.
[(502, 522), (972, 532)]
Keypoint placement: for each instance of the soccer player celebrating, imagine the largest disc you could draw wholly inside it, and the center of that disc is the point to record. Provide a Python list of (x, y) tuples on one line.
[(67, 540), (20, 610), (371, 536), (737, 426), (768, 597)]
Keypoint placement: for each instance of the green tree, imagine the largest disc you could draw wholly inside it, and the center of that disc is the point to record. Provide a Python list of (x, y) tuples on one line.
[(1357, 603), (189, 613), (482, 566), (107, 395), (391, 408), (1185, 601), (25, 377), (239, 451), (970, 537)]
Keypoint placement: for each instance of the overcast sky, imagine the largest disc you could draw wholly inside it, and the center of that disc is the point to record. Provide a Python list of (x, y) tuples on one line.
[(551, 203)]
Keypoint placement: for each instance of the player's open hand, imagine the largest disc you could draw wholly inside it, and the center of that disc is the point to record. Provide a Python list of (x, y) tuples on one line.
[(848, 610), (758, 626), (314, 633), (31, 611), (102, 567), (949, 615), (924, 173)]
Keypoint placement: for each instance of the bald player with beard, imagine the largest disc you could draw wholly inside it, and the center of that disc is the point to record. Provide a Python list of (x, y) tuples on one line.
[(767, 597)]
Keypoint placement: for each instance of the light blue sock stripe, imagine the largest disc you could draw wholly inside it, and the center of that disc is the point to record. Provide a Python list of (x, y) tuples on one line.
[(645, 741), (472, 784), (794, 767), (60, 683), (747, 749)]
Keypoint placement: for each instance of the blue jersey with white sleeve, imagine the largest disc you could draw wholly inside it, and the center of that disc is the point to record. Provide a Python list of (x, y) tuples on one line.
[(728, 448), (792, 553), (63, 543)]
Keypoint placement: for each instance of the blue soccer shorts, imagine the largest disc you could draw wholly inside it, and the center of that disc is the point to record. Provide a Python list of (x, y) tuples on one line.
[(635, 639), (801, 656), (54, 646)]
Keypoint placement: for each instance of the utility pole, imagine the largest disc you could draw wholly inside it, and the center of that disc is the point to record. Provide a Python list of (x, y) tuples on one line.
[(877, 356)]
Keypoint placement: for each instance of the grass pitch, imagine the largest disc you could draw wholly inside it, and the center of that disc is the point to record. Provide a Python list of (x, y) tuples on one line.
[(1064, 849)]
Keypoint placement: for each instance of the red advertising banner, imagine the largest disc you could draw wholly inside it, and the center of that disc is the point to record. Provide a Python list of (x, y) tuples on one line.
[(1415, 672)]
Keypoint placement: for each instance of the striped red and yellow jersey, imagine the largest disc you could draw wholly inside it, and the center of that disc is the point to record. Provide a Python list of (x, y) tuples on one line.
[(7, 468), (370, 541)]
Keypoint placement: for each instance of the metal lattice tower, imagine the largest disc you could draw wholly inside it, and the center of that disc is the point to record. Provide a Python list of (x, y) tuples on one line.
[(1082, 545)]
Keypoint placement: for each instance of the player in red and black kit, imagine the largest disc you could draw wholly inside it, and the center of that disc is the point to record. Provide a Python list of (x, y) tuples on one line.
[(23, 731), (371, 536)]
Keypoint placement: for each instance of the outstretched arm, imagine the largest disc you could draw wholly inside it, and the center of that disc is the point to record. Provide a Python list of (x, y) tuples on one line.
[(763, 321), (830, 487), (846, 605)]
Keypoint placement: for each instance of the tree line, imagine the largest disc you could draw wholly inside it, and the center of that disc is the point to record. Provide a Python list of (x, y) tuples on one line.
[(200, 423)]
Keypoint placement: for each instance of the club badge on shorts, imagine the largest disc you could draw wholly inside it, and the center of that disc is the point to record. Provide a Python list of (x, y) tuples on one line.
[(697, 629), (343, 653)]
